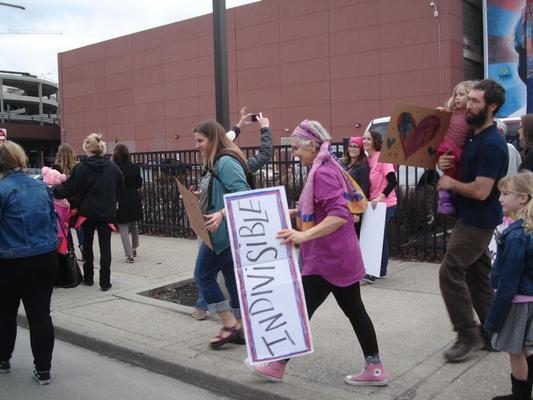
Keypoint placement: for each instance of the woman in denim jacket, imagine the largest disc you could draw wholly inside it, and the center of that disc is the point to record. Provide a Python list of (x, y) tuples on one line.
[(510, 316), (28, 260)]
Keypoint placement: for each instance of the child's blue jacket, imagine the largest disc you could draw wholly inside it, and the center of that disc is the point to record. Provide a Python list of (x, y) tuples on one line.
[(512, 273)]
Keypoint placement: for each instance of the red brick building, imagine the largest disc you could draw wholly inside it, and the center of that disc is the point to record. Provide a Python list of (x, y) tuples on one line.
[(342, 62)]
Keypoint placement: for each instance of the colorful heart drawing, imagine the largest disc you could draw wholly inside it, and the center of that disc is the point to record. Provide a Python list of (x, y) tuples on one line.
[(390, 142), (413, 137), (406, 123)]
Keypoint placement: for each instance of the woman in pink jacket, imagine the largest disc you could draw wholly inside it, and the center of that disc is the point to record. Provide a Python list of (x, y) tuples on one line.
[(329, 249)]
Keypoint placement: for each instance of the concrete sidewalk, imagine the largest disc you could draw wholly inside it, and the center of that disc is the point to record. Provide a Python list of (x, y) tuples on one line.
[(407, 310)]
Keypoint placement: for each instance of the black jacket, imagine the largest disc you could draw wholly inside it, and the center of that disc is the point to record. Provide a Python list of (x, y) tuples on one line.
[(528, 161), (93, 187), (360, 173), (129, 200)]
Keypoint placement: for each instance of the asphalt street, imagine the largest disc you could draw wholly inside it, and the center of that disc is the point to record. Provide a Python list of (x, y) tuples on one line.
[(78, 374)]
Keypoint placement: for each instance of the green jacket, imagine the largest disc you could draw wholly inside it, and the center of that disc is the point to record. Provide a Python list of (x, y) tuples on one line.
[(231, 179)]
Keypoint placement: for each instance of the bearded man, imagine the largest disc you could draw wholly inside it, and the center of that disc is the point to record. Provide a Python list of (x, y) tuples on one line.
[(464, 272)]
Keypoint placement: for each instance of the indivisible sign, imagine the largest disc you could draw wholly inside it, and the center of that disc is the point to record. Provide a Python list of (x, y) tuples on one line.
[(371, 241), (3, 135), (194, 213), (413, 135), (270, 289)]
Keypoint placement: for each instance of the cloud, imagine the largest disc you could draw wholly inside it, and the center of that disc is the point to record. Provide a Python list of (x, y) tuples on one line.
[(81, 22)]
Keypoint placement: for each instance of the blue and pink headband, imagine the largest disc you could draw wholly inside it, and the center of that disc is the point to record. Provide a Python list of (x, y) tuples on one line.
[(305, 131)]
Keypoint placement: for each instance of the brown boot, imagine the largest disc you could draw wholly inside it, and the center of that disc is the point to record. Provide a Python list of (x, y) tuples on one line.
[(463, 348)]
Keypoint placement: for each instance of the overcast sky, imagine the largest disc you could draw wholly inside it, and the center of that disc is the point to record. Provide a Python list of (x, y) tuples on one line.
[(81, 22)]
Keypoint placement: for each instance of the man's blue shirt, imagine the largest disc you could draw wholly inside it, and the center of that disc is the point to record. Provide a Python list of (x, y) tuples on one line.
[(486, 155)]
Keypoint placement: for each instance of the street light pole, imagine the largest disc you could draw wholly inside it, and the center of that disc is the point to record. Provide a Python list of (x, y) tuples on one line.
[(12, 5), (436, 15), (221, 62)]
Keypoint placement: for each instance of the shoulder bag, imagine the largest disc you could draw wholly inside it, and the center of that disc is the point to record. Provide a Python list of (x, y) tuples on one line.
[(69, 274)]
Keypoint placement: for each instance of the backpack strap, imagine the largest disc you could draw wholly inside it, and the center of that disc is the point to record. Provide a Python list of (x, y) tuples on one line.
[(64, 229), (226, 152), (223, 152)]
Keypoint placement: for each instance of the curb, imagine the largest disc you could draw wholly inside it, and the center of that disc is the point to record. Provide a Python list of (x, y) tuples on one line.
[(192, 376)]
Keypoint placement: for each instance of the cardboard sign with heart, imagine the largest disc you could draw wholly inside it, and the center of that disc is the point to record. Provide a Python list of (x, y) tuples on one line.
[(413, 135)]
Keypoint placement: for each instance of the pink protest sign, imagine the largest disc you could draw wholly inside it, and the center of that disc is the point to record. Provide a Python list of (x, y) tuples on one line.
[(268, 277)]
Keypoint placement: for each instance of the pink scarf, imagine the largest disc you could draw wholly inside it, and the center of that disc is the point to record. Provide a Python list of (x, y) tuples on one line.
[(81, 219), (353, 194)]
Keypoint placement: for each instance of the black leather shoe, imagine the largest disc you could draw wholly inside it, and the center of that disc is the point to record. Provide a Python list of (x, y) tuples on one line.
[(5, 367), (106, 287)]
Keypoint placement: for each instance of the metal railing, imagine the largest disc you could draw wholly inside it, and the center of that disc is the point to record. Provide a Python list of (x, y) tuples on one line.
[(416, 231), (31, 119)]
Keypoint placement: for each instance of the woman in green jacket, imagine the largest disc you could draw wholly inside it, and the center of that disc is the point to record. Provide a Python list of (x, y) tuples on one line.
[(227, 165)]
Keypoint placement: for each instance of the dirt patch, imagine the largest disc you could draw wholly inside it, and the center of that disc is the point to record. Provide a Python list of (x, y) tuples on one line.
[(184, 294)]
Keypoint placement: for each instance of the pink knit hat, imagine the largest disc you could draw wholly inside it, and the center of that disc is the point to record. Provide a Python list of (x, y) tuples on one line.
[(52, 177), (357, 140)]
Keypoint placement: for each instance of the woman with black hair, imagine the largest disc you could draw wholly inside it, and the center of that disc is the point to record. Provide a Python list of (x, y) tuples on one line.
[(129, 202), (356, 163), (382, 183), (526, 137)]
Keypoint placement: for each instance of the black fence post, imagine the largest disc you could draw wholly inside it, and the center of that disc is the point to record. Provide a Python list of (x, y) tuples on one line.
[(221, 62)]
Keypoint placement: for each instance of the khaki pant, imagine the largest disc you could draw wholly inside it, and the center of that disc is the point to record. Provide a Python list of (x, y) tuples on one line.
[(464, 277), (125, 230)]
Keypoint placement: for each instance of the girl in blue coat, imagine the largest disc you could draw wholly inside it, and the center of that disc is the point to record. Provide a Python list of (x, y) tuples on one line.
[(510, 317)]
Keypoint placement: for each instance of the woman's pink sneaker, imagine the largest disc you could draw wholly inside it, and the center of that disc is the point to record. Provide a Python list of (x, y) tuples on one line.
[(271, 371), (371, 375)]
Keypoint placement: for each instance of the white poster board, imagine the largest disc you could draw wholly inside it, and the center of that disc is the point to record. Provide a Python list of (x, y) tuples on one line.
[(268, 278), (371, 240), (3, 135)]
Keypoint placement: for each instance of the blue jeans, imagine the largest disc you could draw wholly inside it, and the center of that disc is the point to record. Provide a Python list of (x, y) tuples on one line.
[(208, 265), (200, 303), (385, 252)]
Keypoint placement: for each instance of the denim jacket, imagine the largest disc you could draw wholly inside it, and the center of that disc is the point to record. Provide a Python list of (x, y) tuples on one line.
[(27, 219), (512, 273)]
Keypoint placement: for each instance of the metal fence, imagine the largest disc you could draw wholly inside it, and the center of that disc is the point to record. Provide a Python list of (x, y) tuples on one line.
[(416, 231)]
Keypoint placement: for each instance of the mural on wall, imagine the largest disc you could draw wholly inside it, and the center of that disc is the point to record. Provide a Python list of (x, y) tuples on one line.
[(528, 15), (507, 38)]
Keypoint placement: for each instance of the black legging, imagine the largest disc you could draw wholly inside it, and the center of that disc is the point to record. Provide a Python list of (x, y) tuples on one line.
[(104, 241), (30, 279), (317, 289)]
